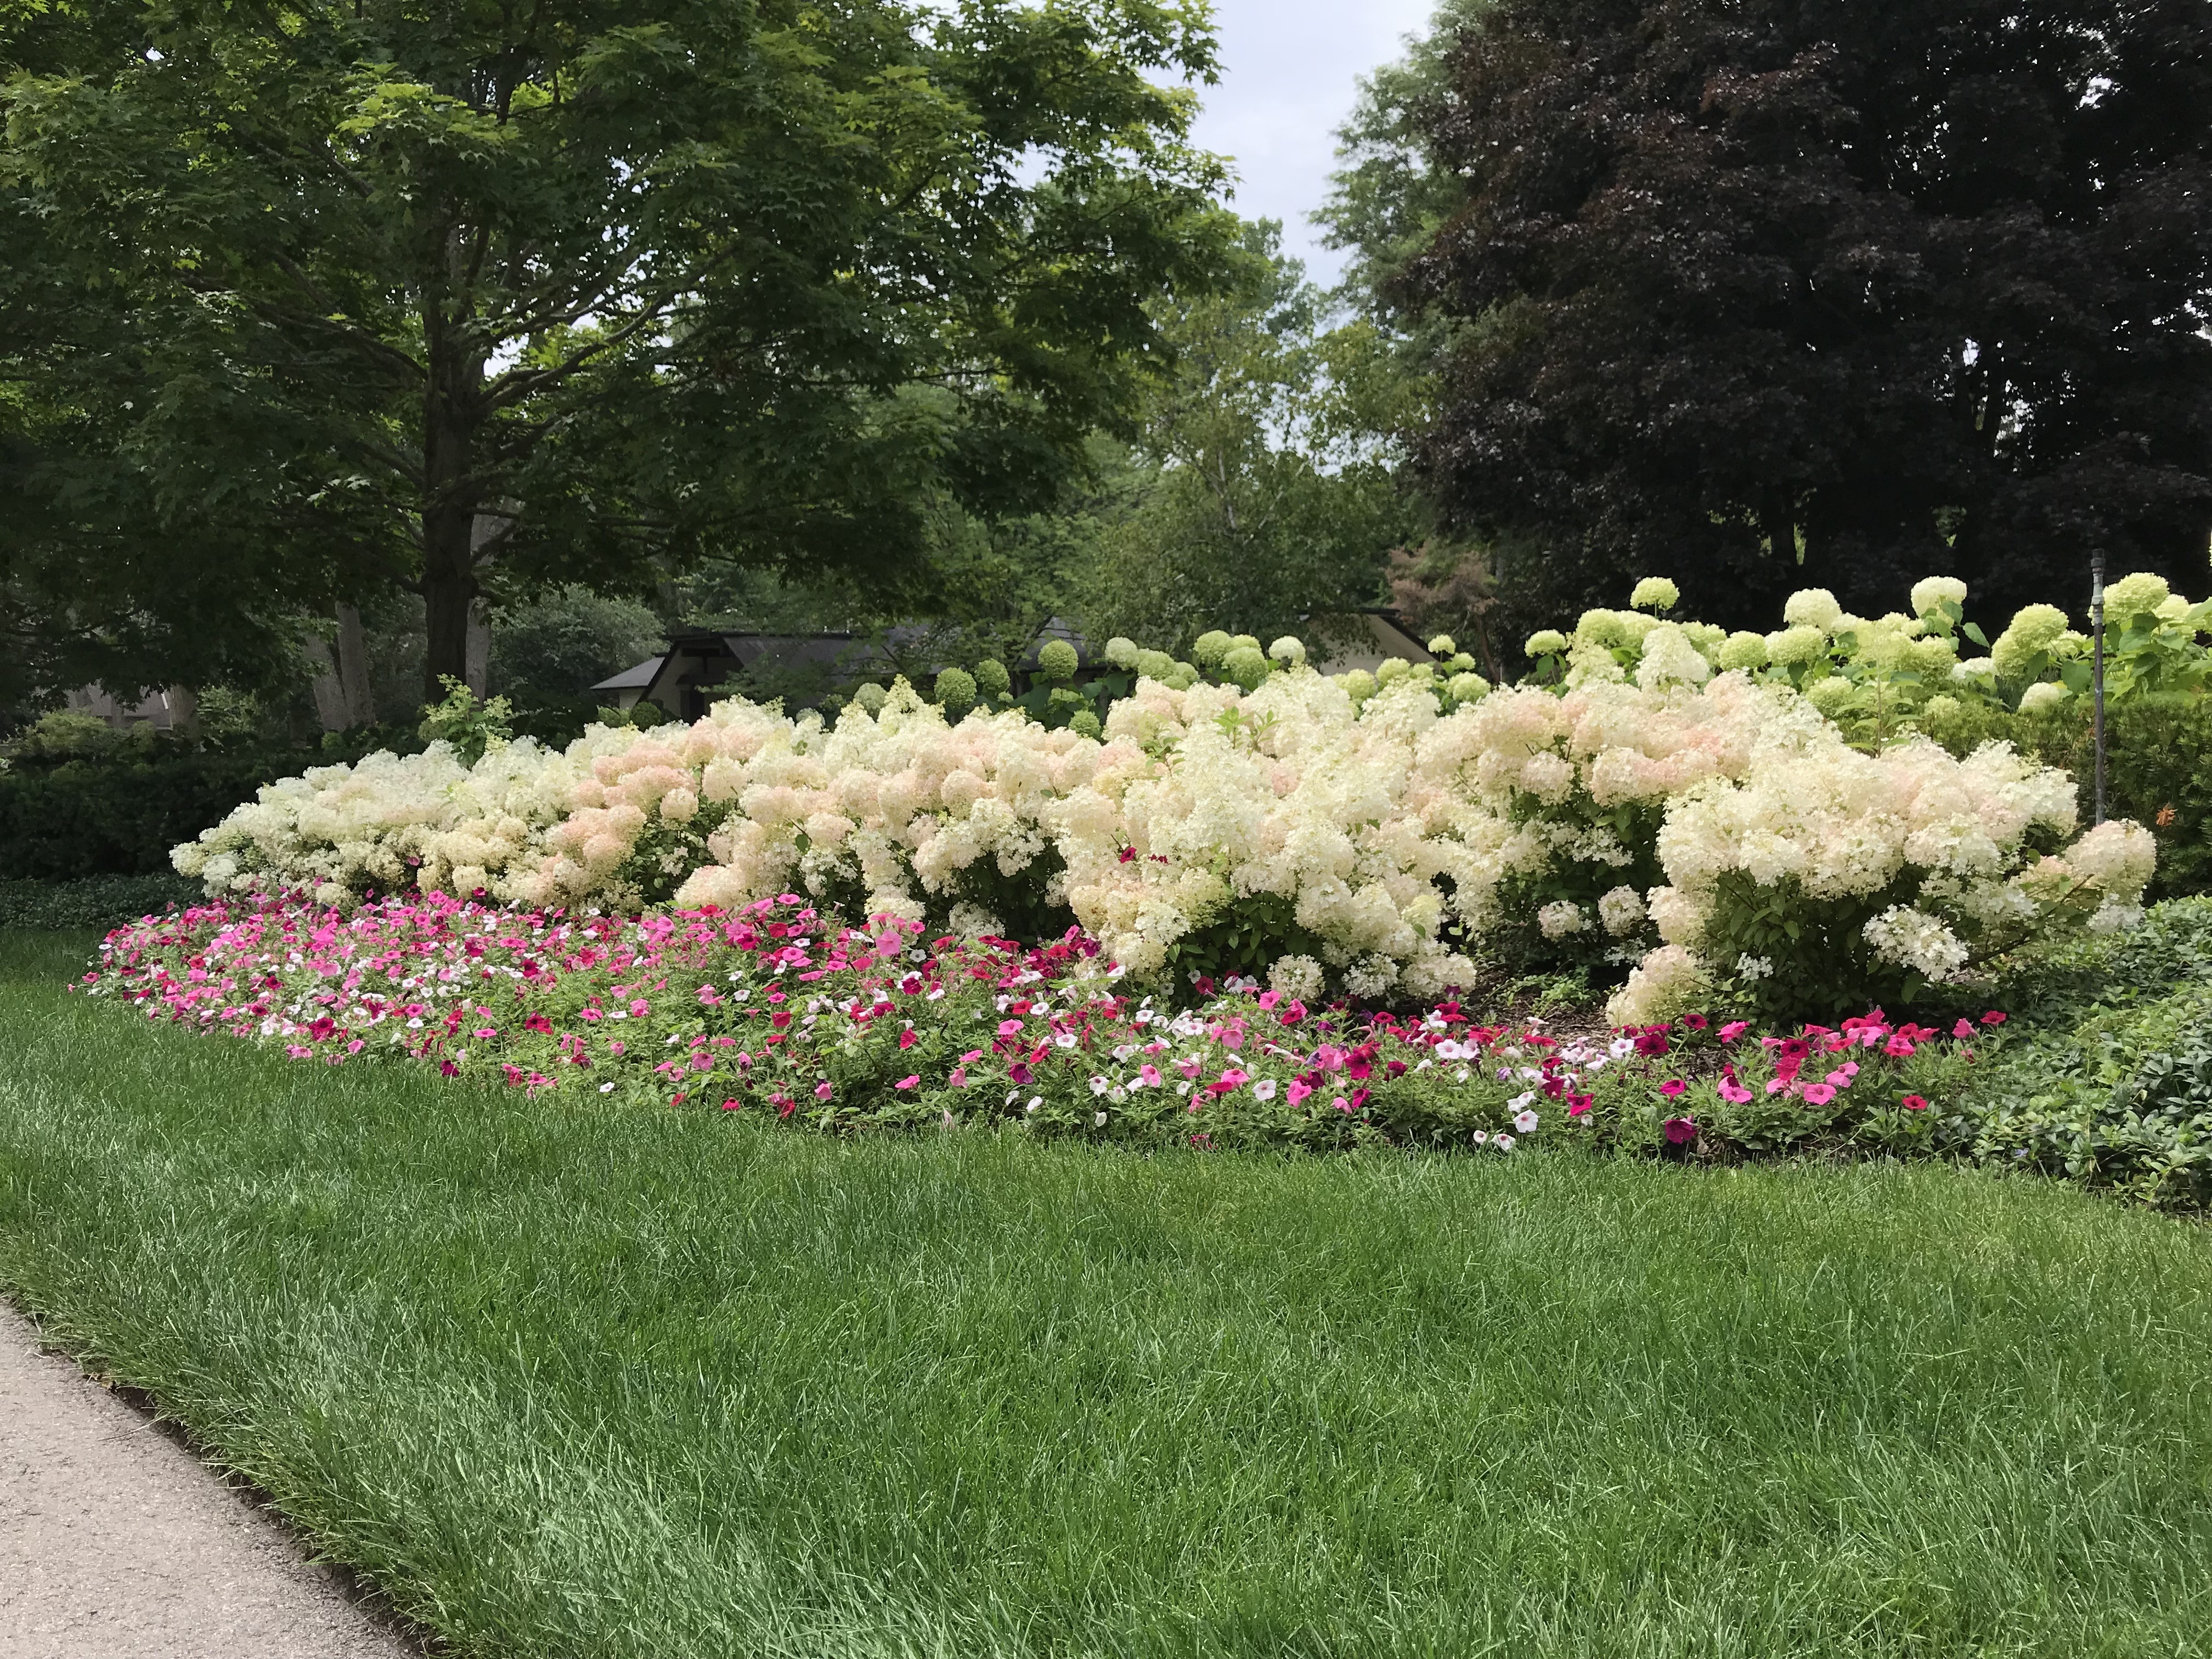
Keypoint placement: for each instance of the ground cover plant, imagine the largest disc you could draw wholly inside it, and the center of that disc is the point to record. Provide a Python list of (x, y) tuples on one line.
[(564, 1376), (95, 901), (2108, 1078)]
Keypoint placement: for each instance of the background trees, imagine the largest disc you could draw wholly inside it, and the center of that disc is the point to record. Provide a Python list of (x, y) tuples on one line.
[(1785, 293), (1262, 487), (475, 298), (1253, 487)]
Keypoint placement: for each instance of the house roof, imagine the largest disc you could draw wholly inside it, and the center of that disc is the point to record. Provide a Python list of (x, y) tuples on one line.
[(633, 678)]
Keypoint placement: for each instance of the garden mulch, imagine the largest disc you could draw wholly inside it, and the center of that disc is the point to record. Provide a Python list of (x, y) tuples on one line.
[(116, 1540)]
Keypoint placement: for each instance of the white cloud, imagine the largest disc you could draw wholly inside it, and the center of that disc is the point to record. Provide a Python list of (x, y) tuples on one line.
[(1288, 73)]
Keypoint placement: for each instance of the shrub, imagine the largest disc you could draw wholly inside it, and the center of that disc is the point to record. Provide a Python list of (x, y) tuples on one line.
[(119, 816), (2105, 1074), (1285, 819), (468, 723), (64, 734), (92, 901), (2157, 766), (1781, 830)]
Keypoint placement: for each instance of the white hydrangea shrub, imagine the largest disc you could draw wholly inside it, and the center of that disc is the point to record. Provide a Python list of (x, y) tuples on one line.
[(1398, 821)]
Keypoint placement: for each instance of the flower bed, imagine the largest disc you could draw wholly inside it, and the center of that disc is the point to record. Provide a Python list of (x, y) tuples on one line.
[(1753, 819), (776, 1009)]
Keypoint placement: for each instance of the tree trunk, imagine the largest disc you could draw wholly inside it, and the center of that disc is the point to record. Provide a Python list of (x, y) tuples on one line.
[(341, 682), (360, 703), (479, 652), (330, 693), (449, 590), (185, 713), (1777, 524), (452, 409)]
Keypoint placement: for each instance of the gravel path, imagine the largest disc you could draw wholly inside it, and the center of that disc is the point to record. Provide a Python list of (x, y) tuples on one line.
[(117, 1542)]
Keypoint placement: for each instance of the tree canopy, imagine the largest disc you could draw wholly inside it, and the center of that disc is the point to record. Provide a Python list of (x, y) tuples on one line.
[(472, 297), (1780, 293), (1264, 486)]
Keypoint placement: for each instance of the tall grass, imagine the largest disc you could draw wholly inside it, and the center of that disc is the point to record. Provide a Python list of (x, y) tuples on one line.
[(571, 1380)]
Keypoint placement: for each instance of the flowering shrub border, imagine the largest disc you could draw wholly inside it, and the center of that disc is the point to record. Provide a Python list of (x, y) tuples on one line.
[(776, 1009)]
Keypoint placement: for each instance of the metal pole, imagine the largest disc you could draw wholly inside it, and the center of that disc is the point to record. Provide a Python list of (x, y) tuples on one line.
[(2097, 646)]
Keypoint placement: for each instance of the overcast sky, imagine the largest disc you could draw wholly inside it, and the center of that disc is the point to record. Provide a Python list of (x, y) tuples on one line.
[(1288, 70)]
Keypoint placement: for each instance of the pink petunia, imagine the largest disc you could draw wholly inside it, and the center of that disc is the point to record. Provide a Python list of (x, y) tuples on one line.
[(1914, 1102), (1735, 1029), (822, 1090), (912, 1082), (1819, 1094), (1673, 1087), (1680, 1130)]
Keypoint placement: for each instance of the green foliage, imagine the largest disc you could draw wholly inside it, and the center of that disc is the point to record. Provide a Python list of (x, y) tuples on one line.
[(548, 651), (227, 716), (1268, 492), (1783, 957), (2158, 767), (120, 815), (1243, 939), (956, 692), (472, 724), (642, 715), (576, 293), (63, 734), (100, 902), (2110, 1084)]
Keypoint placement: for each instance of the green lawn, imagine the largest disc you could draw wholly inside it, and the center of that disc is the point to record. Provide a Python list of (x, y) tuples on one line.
[(576, 1381)]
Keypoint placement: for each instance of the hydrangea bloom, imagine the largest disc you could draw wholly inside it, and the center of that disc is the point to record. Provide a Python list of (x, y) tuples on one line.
[(1376, 819)]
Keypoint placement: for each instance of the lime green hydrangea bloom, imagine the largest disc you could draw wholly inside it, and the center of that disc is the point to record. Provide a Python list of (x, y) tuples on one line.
[(1829, 693), (1743, 649), (2034, 629), (2138, 595), (1929, 592), (1793, 646), (1812, 607)]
